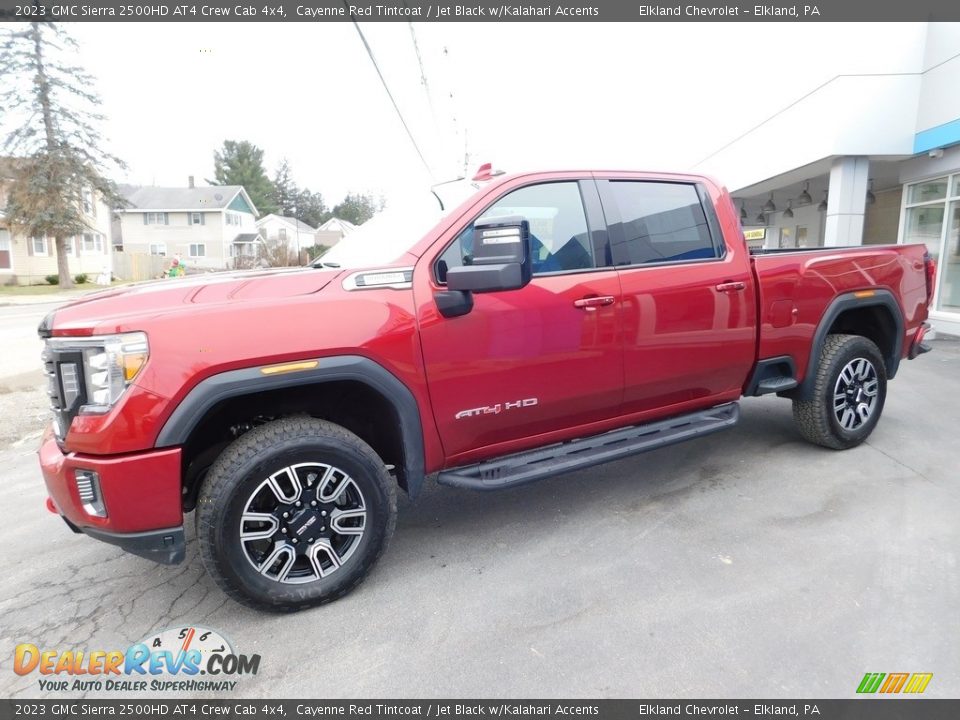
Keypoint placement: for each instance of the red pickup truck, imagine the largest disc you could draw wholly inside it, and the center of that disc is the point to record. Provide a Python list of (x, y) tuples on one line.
[(550, 322)]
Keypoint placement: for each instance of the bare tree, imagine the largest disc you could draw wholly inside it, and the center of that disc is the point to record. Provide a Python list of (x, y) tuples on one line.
[(48, 114), (279, 253)]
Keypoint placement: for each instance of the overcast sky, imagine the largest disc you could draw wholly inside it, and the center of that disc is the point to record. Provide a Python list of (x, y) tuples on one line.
[(628, 95)]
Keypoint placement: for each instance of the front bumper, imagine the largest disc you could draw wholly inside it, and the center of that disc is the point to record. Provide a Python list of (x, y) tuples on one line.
[(140, 494)]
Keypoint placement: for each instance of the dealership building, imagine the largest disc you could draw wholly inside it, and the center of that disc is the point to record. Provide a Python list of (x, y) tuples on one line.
[(865, 158)]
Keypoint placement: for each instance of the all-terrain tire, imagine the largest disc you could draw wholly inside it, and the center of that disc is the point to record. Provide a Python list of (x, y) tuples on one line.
[(248, 471), (822, 419)]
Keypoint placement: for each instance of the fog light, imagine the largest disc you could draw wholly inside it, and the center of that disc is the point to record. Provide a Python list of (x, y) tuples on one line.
[(88, 487)]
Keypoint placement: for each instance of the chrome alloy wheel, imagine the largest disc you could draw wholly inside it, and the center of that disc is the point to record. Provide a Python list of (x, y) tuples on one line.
[(855, 394), (303, 523)]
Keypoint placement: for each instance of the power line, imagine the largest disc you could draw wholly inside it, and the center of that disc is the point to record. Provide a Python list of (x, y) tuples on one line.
[(383, 80), (423, 73)]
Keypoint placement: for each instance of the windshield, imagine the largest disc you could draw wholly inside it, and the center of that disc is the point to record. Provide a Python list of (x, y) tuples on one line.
[(386, 236)]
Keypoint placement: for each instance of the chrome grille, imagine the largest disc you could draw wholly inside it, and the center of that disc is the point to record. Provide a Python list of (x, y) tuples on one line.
[(65, 387), (53, 390)]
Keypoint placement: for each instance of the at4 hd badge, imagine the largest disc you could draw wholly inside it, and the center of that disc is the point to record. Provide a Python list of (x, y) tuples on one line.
[(496, 409)]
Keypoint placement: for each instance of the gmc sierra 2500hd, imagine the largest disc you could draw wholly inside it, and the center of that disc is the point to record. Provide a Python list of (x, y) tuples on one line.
[(550, 322)]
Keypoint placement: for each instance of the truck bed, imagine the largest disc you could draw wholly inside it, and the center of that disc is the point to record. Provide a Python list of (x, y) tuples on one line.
[(796, 287)]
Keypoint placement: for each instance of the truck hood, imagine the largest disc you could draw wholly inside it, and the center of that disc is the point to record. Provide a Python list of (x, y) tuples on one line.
[(120, 305)]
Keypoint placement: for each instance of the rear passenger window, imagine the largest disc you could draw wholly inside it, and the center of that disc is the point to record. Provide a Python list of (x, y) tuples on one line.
[(559, 240), (661, 222)]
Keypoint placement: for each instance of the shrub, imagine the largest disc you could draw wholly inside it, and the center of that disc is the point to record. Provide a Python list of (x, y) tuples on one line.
[(53, 279), (80, 279)]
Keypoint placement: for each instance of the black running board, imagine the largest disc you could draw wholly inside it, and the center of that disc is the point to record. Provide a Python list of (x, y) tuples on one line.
[(564, 457)]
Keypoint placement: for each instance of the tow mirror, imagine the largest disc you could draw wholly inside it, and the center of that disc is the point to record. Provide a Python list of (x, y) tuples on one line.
[(500, 259)]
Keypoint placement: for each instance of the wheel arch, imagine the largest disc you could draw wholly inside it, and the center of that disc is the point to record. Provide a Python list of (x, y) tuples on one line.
[(398, 429), (876, 316)]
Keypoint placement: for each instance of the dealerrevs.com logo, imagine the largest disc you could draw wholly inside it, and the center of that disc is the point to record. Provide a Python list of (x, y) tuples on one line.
[(190, 659)]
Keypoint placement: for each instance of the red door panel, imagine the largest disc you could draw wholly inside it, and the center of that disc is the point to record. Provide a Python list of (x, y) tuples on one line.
[(525, 362), (689, 301), (684, 339)]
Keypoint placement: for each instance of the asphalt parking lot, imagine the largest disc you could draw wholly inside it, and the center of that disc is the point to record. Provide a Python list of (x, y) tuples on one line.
[(741, 565)]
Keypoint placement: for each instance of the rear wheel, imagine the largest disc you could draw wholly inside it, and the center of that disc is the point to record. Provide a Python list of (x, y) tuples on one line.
[(850, 387), (294, 514)]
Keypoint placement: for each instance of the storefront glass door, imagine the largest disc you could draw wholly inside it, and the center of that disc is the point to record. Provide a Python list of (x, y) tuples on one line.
[(949, 296), (932, 217)]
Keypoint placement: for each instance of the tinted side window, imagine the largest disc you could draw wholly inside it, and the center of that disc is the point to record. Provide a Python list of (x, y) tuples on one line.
[(661, 222), (559, 239)]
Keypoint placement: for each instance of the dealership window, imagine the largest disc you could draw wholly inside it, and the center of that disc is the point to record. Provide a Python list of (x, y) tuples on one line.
[(932, 217), (786, 238), (6, 261), (158, 249), (38, 246), (198, 250)]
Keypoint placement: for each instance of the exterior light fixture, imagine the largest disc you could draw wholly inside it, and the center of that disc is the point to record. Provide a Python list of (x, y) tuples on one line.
[(761, 219), (770, 207), (871, 198), (822, 207), (805, 198), (788, 213)]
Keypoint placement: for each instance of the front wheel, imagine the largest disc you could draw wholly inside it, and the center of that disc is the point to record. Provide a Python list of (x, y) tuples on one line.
[(294, 514), (850, 387)]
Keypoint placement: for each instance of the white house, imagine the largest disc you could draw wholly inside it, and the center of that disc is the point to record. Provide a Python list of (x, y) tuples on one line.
[(295, 234), (333, 231), (869, 156), (29, 260), (206, 227)]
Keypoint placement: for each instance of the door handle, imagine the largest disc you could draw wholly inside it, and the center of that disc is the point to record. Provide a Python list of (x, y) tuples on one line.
[(593, 302), (731, 286)]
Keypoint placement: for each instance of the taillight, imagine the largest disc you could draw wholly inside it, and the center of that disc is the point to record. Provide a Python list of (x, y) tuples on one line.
[(930, 265)]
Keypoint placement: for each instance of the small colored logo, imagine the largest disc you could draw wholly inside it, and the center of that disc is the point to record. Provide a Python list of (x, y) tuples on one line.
[(169, 660), (883, 683)]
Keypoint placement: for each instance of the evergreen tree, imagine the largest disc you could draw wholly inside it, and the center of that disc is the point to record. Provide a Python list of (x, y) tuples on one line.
[(285, 192), (358, 208), (241, 163), (311, 209), (50, 122)]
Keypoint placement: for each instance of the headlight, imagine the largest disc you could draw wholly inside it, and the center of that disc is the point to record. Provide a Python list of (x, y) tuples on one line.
[(110, 363), (111, 367)]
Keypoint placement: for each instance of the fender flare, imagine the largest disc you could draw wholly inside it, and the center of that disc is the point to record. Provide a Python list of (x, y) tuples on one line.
[(245, 381), (842, 303)]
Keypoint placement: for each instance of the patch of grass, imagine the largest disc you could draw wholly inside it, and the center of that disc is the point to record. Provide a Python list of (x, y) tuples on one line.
[(8, 290), (29, 289)]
